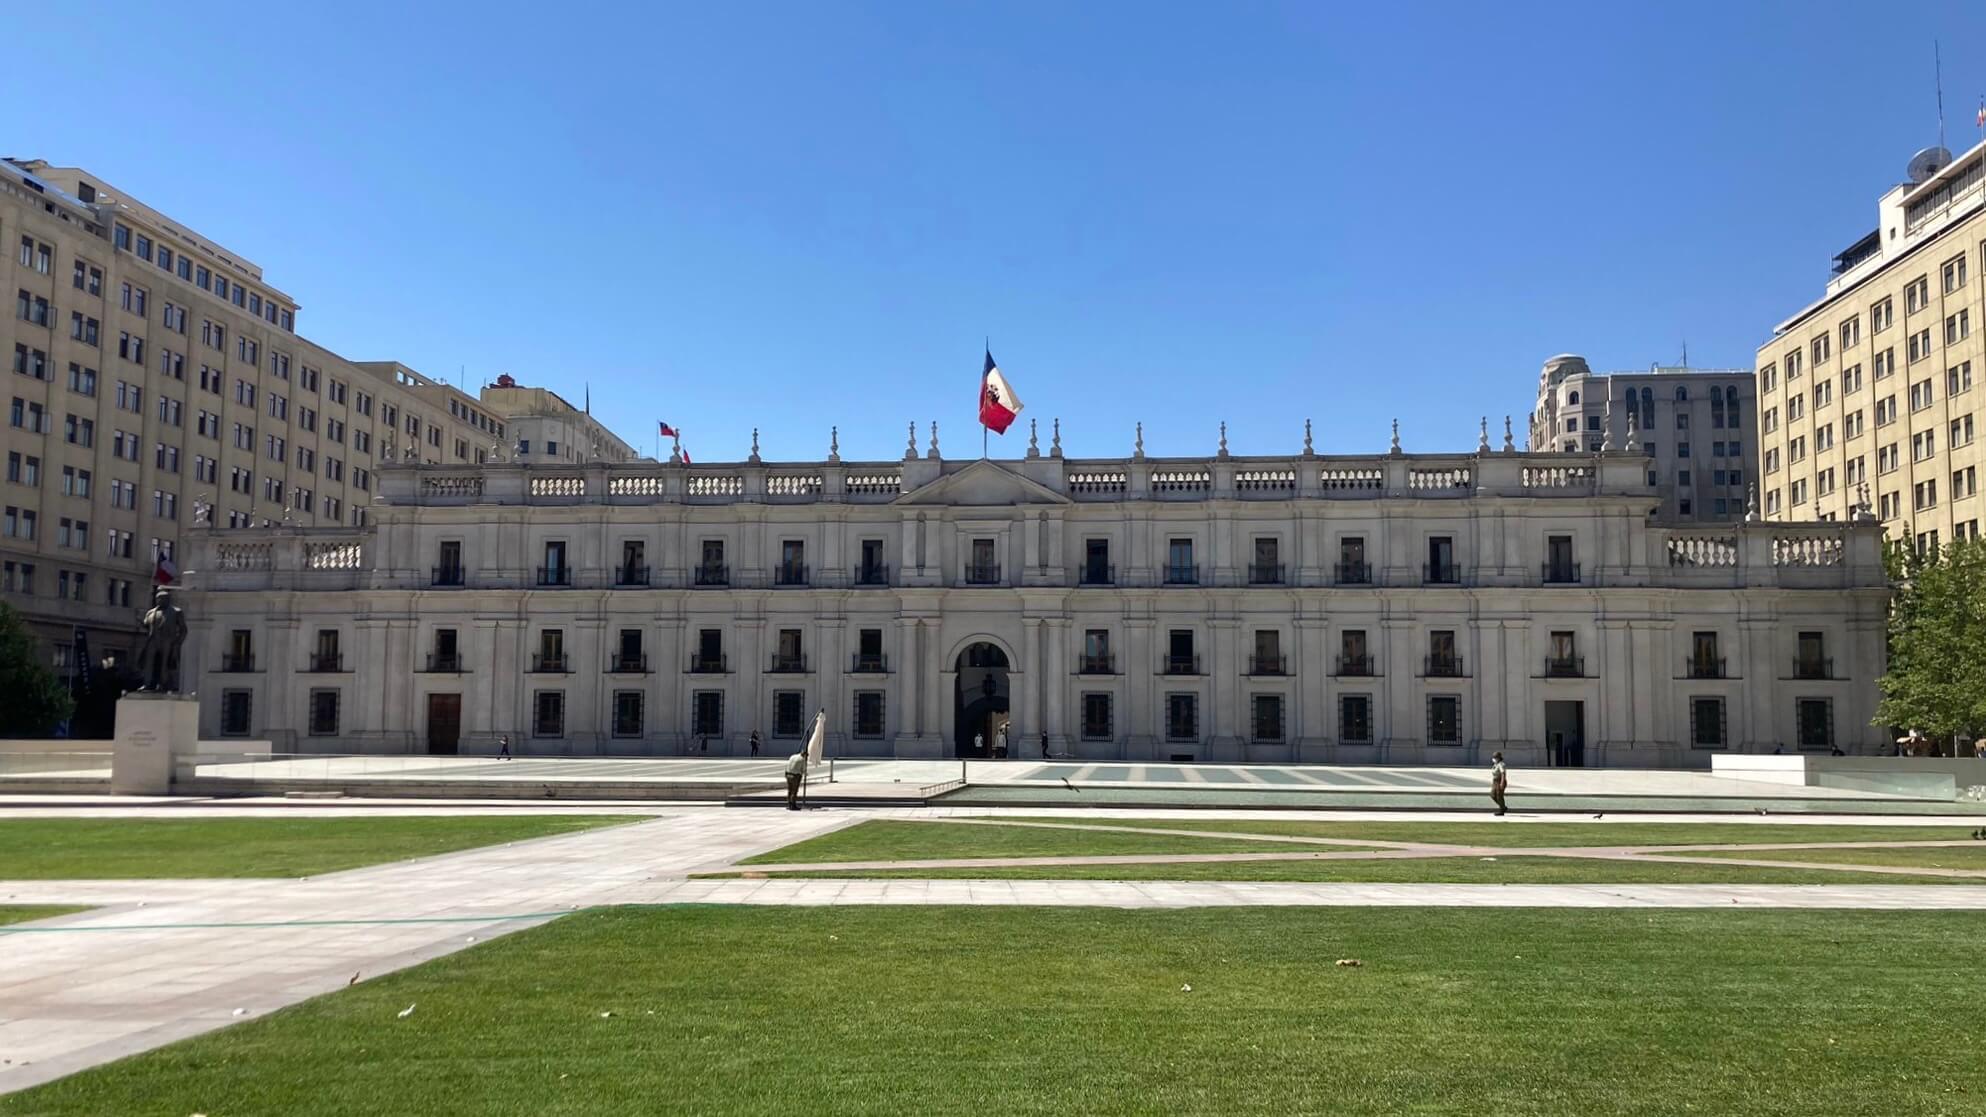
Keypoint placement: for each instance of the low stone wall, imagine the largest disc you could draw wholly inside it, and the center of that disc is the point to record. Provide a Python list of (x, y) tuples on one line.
[(1925, 777)]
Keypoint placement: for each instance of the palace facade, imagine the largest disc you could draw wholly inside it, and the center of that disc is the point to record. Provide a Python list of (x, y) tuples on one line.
[(1402, 608)]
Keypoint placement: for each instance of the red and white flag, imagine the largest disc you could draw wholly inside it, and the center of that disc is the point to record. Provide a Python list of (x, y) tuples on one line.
[(997, 402), (164, 572)]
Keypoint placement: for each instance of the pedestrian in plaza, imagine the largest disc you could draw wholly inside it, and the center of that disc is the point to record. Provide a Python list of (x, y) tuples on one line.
[(705, 741), (796, 774), (1044, 744), (503, 747), (1000, 743), (755, 742), (1499, 781)]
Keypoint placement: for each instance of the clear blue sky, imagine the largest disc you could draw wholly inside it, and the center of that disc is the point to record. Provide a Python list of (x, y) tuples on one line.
[(796, 215)]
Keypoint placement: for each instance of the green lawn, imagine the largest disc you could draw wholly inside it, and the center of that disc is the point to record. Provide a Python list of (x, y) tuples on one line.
[(141, 848), (23, 913), (1547, 834), (862, 1010), (1935, 857), (887, 840), (1420, 870)]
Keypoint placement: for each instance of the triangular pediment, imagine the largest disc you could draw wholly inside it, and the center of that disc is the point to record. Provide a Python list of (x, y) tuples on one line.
[(983, 484)]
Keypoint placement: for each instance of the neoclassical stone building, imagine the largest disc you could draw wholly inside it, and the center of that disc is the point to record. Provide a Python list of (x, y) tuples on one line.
[(1402, 608)]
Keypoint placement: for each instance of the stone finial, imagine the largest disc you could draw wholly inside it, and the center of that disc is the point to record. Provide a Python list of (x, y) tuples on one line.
[(1633, 433), (1055, 447), (1395, 447), (1309, 451), (1222, 453), (910, 451), (1033, 439), (755, 446), (1509, 443), (1751, 503), (933, 455), (1863, 513), (1607, 430), (834, 444), (1138, 444), (676, 452), (1482, 437)]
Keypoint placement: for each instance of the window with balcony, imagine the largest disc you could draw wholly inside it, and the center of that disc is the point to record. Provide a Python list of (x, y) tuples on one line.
[(792, 569), (633, 567), (1559, 568), (551, 652), (788, 656), (1704, 661), (1440, 568), (1097, 659), (1354, 659), (711, 570), (629, 657), (448, 564), (873, 569), (1180, 570), (447, 654), (1267, 567), (1352, 569), (1267, 658), (981, 569), (1810, 659), (327, 656), (1443, 660), (869, 657), (1180, 658), (555, 572), (708, 659), (240, 654), (1097, 570), (1563, 660)]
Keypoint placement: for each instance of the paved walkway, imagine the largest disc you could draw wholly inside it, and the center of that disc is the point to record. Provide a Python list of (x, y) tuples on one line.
[(158, 961)]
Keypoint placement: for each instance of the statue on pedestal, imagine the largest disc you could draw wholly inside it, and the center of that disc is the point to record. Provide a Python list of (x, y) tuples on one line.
[(158, 653)]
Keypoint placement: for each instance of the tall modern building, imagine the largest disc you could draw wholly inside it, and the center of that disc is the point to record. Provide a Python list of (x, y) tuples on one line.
[(1695, 423), (1872, 385), (158, 378)]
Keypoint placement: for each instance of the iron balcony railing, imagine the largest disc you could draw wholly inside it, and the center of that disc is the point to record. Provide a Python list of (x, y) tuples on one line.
[(869, 663), (1355, 666), (626, 575), (1105, 664), (1704, 667), (982, 574), (713, 574), (1265, 573), (1178, 575), (542, 664), (444, 576), (1440, 574), (449, 663), (1268, 665), (1560, 573), (1352, 574), (1096, 574), (628, 664), (1442, 667), (555, 575), (237, 664), (1180, 665), (702, 664), (788, 664), (1811, 667), (790, 574), (1565, 667), (876, 574), (327, 664)]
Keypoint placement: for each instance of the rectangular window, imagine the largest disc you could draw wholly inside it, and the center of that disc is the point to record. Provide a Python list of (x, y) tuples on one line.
[(627, 713), (548, 714), (1266, 722), (1355, 718), (1815, 718), (324, 713), (1444, 720), (1707, 728), (868, 713), (788, 712), (236, 708), (1097, 717), (1182, 717)]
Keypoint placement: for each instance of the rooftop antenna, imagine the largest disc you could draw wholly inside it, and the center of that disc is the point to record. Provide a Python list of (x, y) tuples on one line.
[(1938, 69)]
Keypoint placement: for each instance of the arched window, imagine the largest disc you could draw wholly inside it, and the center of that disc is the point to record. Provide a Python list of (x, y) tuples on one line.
[(1571, 398), (1572, 447), (1731, 399), (1682, 394), (1717, 407), (1647, 409)]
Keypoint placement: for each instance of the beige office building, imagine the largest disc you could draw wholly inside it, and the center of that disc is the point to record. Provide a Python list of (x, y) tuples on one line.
[(1873, 384), (157, 378)]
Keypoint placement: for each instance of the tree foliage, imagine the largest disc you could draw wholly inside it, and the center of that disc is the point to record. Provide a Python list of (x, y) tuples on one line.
[(1937, 642), (32, 699)]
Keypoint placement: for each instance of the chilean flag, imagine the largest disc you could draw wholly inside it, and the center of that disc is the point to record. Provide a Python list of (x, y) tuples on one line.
[(164, 572), (997, 402), (668, 431)]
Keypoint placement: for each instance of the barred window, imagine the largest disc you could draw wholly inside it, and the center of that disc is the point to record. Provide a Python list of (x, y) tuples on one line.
[(1268, 718)]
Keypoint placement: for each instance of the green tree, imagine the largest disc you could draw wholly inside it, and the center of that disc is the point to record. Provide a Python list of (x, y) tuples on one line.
[(32, 699), (1937, 642)]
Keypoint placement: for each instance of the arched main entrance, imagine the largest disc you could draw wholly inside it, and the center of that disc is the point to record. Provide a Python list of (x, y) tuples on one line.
[(979, 700)]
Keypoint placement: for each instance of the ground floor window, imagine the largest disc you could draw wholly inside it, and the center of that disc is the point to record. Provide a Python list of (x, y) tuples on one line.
[(1706, 723), (236, 707), (548, 718), (868, 713), (324, 713), (707, 713), (1096, 717), (627, 713), (1355, 718), (1444, 719), (788, 710), (1816, 722), (1182, 717), (1267, 723)]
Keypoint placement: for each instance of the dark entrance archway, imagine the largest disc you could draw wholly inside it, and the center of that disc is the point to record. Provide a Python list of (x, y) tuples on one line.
[(979, 700)]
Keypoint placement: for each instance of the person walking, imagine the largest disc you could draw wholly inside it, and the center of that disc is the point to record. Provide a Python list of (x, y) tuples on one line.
[(1044, 745), (755, 742), (1499, 781), (1000, 743), (503, 747), (796, 774)]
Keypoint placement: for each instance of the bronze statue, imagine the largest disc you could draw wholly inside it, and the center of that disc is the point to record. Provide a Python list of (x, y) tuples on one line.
[(158, 653)]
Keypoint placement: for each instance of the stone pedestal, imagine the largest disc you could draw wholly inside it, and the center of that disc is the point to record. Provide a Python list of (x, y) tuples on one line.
[(151, 730)]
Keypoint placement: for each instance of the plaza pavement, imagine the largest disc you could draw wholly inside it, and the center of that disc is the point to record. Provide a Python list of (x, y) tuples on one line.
[(157, 961)]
